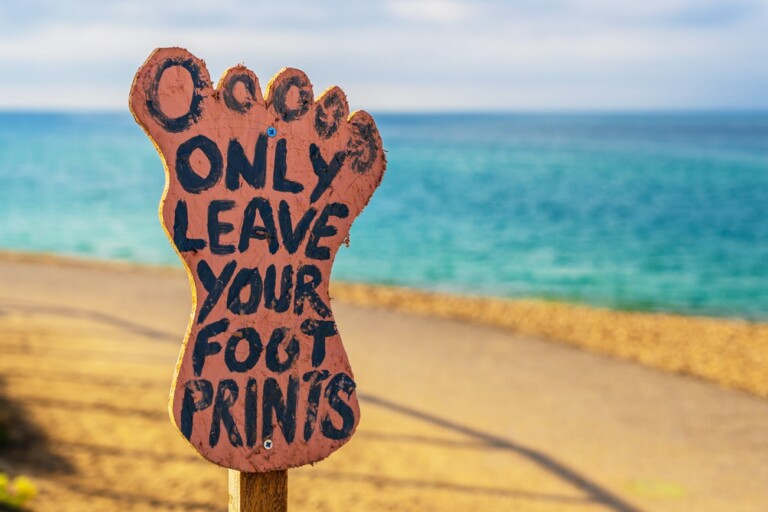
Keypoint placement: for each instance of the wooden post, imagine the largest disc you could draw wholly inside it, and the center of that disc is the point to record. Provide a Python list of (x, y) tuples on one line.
[(258, 492)]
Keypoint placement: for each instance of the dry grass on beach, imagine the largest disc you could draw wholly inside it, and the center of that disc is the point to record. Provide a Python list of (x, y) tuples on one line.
[(731, 353)]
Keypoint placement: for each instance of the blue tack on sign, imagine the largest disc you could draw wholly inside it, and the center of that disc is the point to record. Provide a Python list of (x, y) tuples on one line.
[(271, 131)]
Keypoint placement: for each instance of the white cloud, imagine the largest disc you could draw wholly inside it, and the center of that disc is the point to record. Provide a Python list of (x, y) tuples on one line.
[(433, 11), (421, 55)]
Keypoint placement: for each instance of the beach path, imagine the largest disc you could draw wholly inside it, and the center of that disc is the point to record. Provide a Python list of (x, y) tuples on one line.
[(454, 416)]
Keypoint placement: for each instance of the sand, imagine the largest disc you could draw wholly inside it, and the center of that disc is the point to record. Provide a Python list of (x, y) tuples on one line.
[(455, 415)]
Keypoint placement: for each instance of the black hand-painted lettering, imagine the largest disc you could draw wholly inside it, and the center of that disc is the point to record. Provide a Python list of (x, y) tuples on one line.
[(229, 92), (181, 123), (251, 411), (293, 238), (340, 383), (319, 330), (188, 177), (255, 347), (272, 357), (198, 395), (226, 396), (307, 290), (213, 285), (335, 105), (315, 378), (322, 229), (271, 301), (281, 183), (180, 229), (246, 277), (203, 347), (238, 165), (280, 97), (250, 230), (363, 147), (325, 172), (216, 228), (284, 409)]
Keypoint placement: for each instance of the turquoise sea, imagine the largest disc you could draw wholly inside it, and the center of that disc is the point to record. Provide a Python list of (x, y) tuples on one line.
[(633, 211)]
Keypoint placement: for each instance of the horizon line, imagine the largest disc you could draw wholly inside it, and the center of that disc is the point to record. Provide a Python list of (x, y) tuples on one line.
[(447, 111)]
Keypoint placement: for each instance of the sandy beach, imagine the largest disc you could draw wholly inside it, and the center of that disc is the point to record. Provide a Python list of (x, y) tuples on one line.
[(467, 404)]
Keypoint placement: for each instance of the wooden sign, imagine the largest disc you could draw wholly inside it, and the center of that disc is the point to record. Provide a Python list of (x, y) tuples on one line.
[(260, 192)]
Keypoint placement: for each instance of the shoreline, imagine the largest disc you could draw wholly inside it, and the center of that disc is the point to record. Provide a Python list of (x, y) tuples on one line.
[(732, 353), (49, 258)]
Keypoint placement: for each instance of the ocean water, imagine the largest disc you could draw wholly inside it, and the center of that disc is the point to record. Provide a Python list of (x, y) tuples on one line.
[(662, 212)]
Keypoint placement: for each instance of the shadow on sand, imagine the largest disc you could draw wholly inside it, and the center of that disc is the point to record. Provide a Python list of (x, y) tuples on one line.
[(596, 493), (22, 443)]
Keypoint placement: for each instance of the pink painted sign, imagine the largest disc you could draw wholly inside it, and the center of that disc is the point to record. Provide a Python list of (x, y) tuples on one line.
[(260, 193)]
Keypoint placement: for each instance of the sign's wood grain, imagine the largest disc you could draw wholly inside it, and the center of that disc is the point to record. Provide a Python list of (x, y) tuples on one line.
[(260, 192)]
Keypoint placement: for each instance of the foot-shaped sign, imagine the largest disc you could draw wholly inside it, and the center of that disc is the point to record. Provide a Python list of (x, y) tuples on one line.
[(260, 192)]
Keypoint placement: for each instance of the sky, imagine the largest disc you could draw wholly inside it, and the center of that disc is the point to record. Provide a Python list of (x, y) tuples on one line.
[(404, 55)]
